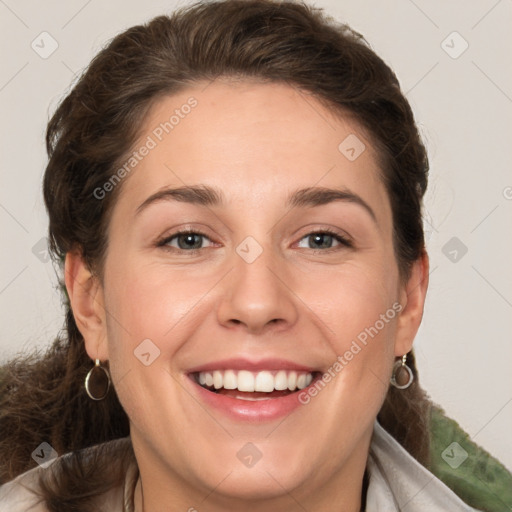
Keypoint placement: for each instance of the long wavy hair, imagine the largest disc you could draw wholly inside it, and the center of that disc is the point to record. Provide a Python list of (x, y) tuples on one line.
[(42, 396)]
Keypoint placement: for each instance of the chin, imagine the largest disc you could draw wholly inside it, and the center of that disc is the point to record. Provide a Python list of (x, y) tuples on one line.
[(256, 484)]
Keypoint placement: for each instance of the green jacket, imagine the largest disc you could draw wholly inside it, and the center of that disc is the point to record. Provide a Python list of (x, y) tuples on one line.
[(467, 469)]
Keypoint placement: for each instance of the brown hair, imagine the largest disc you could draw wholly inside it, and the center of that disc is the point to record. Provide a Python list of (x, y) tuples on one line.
[(92, 131)]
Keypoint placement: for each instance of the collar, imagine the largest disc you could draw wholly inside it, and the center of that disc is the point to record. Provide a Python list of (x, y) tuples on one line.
[(399, 483)]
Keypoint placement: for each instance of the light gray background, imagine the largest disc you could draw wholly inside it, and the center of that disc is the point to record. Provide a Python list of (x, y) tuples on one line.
[(463, 106)]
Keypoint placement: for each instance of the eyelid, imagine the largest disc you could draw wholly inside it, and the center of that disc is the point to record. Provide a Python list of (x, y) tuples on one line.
[(344, 239), (167, 238)]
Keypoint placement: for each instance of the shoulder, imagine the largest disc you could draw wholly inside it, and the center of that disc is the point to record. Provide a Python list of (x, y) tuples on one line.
[(397, 480), (21, 494), (74, 469)]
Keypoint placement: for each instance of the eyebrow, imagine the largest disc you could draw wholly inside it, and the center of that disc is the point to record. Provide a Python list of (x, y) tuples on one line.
[(317, 196), (204, 195)]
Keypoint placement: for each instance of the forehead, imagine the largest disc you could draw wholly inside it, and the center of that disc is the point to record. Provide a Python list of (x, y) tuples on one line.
[(256, 142)]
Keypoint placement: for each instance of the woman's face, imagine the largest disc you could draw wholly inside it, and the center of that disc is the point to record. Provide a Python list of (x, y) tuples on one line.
[(252, 297)]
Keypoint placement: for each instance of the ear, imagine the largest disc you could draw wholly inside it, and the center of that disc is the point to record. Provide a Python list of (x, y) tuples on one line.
[(412, 299), (87, 303)]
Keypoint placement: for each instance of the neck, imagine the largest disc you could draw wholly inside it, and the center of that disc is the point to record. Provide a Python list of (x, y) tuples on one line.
[(345, 492)]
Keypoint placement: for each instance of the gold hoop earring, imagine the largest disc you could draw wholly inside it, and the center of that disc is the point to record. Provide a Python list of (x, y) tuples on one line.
[(402, 375), (97, 382)]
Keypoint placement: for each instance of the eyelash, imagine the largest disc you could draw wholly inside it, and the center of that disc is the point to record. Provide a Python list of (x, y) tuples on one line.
[(345, 242)]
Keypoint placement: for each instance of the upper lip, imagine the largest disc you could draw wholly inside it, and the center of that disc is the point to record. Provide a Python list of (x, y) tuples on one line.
[(252, 365)]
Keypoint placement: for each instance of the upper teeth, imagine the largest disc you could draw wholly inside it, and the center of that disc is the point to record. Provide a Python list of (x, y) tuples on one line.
[(247, 381)]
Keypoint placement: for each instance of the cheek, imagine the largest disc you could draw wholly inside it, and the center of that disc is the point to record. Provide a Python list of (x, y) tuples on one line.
[(359, 308), (353, 298), (152, 313), (150, 303), (143, 308), (358, 312)]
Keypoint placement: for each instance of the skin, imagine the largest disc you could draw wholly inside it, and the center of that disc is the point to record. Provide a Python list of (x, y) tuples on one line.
[(257, 143)]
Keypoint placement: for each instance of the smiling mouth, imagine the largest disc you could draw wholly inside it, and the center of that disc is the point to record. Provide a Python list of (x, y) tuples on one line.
[(254, 386)]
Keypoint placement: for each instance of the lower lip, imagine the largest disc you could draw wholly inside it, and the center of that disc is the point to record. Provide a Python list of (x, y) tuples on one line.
[(250, 410)]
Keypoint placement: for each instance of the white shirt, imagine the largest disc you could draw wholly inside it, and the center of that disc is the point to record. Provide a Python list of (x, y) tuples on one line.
[(397, 483)]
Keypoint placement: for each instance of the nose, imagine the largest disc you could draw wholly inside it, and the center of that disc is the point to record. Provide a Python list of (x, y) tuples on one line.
[(257, 296)]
